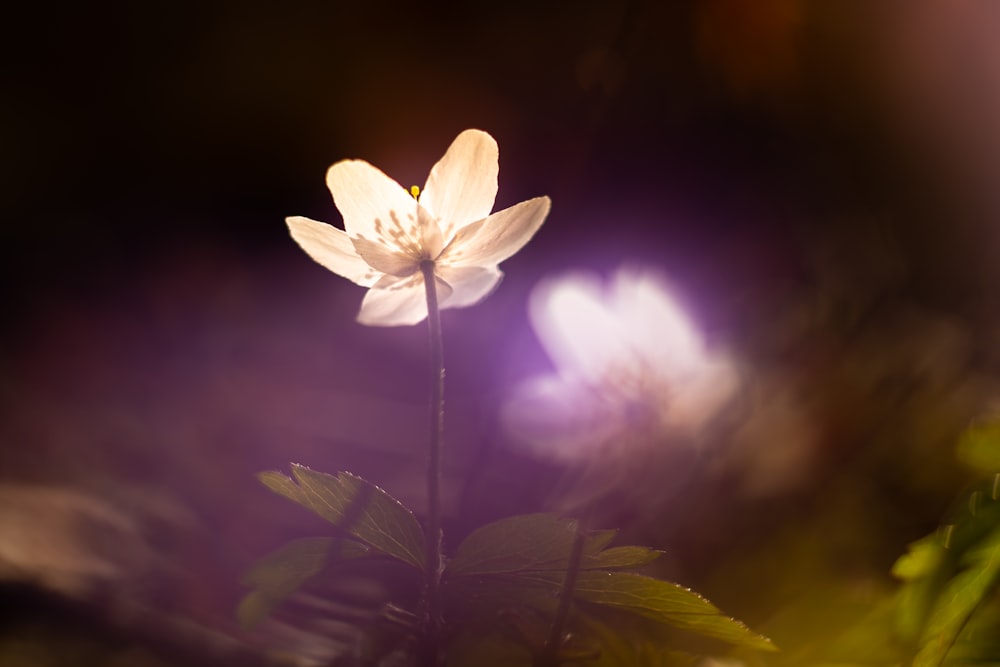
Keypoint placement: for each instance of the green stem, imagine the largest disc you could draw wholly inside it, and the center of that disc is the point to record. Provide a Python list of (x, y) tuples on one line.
[(549, 656), (428, 652)]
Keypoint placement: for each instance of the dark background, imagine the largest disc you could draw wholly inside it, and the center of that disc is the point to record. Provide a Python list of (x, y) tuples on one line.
[(815, 178)]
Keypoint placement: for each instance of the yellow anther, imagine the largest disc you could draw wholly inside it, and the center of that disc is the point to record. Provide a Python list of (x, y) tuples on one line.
[(415, 191)]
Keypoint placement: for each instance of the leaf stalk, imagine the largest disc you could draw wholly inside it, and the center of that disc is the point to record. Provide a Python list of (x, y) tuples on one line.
[(549, 655)]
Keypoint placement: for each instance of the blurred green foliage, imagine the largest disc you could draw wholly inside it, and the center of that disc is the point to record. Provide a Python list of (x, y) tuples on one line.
[(502, 588)]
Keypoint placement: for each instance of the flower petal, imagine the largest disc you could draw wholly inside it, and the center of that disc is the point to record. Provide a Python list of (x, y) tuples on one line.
[(385, 259), (655, 325), (398, 302), (332, 248), (470, 284), (431, 239), (580, 333), (499, 236), (559, 419), (702, 395), (374, 206), (404, 303), (462, 186)]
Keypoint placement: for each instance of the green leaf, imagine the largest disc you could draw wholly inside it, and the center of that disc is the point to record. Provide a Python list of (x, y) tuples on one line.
[(523, 543), (959, 600), (356, 506), (487, 649), (625, 643), (513, 637), (661, 601), (532, 629), (668, 603), (979, 447), (620, 557), (254, 608), (480, 599), (921, 560), (279, 574), (521, 562)]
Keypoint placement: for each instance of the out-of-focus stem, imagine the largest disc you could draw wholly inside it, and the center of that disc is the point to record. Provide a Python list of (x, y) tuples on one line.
[(428, 650), (549, 656)]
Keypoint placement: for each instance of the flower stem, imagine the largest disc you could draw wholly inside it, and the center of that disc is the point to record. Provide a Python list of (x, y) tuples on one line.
[(549, 656), (428, 647)]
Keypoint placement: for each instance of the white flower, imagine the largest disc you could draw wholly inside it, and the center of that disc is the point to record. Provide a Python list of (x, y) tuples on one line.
[(389, 232), (631, 368)]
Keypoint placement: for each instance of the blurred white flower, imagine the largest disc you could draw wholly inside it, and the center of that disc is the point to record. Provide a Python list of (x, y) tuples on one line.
[(630, 368), (389, 232)]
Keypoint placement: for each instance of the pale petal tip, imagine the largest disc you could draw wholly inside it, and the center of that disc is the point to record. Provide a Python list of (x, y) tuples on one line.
[(477, 142), (476, 134)]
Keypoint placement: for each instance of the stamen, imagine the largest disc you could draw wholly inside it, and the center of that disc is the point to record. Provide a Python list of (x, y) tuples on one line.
[(415, 191)]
